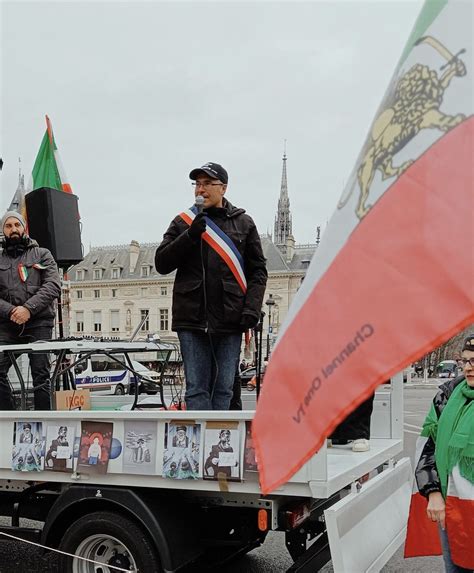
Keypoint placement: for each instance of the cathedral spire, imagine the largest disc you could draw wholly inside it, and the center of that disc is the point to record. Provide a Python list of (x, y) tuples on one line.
[(283, 217), (21, 178), (18, 201)]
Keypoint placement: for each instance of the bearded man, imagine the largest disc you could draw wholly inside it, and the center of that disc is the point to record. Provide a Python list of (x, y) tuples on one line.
[(29, 286)]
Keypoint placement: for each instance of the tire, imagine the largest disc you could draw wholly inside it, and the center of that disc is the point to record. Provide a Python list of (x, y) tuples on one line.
[(119, 390), (110, 539)]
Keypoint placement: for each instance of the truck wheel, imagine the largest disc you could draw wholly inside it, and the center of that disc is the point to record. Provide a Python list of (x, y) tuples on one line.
[(119, 390), (109, 539)]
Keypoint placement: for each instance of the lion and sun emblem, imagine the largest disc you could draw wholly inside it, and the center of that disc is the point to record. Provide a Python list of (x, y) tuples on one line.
[(413, 105)]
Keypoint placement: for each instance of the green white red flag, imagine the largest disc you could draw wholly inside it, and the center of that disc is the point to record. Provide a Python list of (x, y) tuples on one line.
[(48, 170), (422, 534), (390, 279)]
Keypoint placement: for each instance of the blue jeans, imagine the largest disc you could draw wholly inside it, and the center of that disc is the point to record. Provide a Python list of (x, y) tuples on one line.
[(449, 566), (210, 362)]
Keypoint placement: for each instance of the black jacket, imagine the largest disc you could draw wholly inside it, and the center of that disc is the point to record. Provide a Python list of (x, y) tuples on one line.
[(426, 473), (37, 293), (219, 306)]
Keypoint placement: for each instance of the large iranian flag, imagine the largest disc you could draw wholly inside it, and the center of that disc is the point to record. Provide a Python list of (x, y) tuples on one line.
[(48, 170), (393, 276)]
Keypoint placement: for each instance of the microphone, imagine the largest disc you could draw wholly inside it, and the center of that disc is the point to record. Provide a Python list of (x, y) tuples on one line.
[(199, 204)]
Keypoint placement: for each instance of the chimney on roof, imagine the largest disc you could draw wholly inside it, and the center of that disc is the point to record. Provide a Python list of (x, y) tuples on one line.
[(134, 251)]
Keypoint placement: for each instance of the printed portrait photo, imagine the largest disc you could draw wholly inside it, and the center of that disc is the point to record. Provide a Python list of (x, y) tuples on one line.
[(182, 452), (94, 449), (222, 451), (59, 448), (250, 460), (27, 454), (139, 455)]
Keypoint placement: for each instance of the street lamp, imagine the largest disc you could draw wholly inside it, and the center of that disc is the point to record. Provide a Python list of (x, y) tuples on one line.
[(269, 302)]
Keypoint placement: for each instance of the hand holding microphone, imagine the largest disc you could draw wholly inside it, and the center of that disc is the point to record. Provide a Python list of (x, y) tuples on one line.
[(199, 204), (198, 226)]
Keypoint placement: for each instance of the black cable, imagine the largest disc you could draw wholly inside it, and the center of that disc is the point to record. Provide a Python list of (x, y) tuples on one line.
[(176, 395)]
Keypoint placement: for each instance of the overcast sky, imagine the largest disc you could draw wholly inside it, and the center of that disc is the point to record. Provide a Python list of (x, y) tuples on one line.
[(139, 93)]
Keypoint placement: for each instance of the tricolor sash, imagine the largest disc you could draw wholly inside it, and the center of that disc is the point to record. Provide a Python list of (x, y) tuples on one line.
[(222, 245)]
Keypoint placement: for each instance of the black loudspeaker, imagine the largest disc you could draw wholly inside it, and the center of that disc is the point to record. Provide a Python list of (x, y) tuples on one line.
[(53, 221)]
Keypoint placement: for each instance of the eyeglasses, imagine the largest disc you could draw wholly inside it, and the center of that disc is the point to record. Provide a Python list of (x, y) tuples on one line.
[(466, 361), (197, 184)]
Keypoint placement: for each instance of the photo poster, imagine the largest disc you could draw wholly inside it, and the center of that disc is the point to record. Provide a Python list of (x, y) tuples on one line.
[(222, 451), (59, 447), (94, 448), (250, 458), (27, 453), (139, 456), (182, 451)]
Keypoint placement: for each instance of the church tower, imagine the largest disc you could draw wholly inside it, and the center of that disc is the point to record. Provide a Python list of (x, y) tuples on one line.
[(18, 201), (283, 217)]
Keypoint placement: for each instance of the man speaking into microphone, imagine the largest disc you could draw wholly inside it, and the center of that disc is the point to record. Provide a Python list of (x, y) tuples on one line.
[(219, 286)]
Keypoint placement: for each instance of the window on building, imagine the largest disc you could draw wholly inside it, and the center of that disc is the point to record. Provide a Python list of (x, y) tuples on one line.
[(80, 321), (79, 275), (114, 293), (145, 271), (97, 293), (114, 320), (79, 293), (163, 319), (144, 291), (164, 291), (145, 315), (116, 273), (97, 320), (97, 274)]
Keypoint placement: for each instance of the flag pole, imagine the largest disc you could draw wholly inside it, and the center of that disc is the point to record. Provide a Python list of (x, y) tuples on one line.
[(258, 333)]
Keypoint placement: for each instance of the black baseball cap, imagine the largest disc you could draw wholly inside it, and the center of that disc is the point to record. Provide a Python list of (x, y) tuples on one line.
[(214, 170)]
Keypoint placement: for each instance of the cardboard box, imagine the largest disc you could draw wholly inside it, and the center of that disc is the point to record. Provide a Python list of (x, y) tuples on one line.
[(72, 399)]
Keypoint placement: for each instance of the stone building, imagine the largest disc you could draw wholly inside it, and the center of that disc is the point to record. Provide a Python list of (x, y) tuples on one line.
[(116, 287)]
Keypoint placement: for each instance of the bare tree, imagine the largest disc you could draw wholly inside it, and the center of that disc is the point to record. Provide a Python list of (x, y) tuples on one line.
[(449, 350)]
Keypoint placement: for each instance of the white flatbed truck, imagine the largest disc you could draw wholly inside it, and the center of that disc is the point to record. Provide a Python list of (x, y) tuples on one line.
[(345, 506)]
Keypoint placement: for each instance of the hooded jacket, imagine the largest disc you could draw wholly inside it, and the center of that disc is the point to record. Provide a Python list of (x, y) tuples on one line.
[(206, 296), (40, 289)]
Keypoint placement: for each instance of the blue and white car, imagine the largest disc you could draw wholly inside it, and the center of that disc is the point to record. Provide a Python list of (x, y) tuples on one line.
[(149, 379), (103, 375)]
